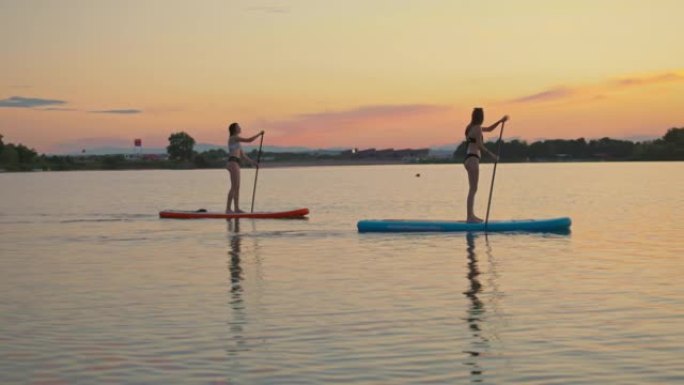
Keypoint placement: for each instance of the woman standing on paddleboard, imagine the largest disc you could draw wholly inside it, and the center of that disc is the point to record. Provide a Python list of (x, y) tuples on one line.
[(235, 153), (475, 147)]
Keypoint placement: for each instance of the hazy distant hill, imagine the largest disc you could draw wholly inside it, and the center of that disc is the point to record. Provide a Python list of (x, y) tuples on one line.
[(439, 151), (200, 147)]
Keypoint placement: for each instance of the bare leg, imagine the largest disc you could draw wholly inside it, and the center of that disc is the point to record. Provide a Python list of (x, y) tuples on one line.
[(233, 193), (472, 165), (230, 190), (235, 185)]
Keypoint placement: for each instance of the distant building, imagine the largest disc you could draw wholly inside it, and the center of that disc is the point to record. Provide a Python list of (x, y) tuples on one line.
[(407, 154), (369, 153), (150, 157), (413, 154), (155, 156)]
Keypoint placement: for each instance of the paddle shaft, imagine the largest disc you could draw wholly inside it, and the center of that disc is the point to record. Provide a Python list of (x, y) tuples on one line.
[(256, 174), (491, 186)]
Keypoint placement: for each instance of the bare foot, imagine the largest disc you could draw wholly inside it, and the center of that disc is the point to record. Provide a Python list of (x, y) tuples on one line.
[(474, 220), (229, 211), (238, 211)]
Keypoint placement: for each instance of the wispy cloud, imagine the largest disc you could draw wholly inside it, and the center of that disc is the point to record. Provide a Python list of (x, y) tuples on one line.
[(668, 77), (119, 112), (370, 124), (552, 94), (371, 112), (58, 109), (40, 104), (354, 119), (23, 102), (600, 90)]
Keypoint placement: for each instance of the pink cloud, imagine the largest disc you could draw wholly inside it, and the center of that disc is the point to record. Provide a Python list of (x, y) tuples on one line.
[(375, 112), (599, 90), (552, 94), (367, 124), (660, 78)]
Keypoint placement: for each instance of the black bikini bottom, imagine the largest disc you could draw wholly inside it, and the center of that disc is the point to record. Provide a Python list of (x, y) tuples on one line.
[(471, 156), (233, 159)]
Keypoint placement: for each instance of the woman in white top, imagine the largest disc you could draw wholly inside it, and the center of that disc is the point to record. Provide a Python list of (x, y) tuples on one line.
[(235, 153), (475, 148)]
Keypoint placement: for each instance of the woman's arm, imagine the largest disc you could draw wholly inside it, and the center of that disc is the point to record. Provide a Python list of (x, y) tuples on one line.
[(481, 146), (493, 126), (251, 138)]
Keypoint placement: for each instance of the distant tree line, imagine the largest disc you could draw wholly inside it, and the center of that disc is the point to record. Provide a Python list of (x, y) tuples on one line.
[(181, 151), (18, 157), (669, 147)]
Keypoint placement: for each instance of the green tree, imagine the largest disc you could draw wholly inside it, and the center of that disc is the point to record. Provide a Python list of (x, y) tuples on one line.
[(671, 146), (217, 154), (113, 162), (180, 146), (514, 150), (613, 148), (26, 155), (673, 135), (200, 160), (9, 155)]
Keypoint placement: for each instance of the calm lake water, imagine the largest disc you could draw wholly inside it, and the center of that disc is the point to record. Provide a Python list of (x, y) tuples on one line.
[(96, 289)]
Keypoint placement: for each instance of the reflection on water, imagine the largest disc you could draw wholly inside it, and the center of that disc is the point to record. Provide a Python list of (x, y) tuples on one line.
[(475, 316), (88, 299), (234, 254), (237, 304)]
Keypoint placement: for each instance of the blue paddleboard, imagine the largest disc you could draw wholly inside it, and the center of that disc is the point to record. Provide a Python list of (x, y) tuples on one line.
[(404, 225)]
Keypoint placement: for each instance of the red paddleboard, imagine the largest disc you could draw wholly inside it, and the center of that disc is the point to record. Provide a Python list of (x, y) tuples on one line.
[(179, 214)]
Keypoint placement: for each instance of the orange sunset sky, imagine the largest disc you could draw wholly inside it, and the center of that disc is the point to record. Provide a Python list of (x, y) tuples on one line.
[(355, 73)]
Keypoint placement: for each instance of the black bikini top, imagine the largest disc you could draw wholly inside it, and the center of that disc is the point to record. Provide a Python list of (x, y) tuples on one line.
[(469, 139)]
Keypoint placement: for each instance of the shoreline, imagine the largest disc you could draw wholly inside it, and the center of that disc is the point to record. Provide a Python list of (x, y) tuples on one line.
[(332, 163)]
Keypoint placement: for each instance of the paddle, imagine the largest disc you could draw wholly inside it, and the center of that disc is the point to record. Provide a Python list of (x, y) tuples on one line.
[(491, 187), (256, 174)]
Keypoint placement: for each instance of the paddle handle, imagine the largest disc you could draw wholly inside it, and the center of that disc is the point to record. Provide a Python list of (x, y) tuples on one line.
[(256, 174), (491, 186)]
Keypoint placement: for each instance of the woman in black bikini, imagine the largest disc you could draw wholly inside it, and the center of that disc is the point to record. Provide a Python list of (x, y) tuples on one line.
[(235, 153), (473, 134)]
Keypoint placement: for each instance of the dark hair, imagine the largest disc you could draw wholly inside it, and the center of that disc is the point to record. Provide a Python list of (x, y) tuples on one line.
[(232, 129), (476, 118)]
